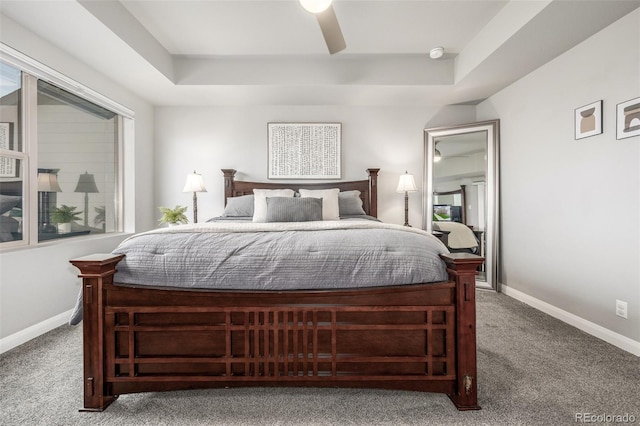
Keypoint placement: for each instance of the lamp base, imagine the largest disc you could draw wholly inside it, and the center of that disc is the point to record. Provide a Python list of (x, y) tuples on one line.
[(195, 208), (46, 228), (406, 209)]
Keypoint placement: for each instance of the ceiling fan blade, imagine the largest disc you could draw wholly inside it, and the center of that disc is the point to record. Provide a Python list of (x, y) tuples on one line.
[(331, 30)]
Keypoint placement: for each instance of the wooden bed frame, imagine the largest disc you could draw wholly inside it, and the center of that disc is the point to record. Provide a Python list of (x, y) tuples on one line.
[(419, 337)]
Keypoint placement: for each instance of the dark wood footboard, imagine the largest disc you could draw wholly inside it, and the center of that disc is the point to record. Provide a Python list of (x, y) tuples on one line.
[(418, 337), (462, 268)]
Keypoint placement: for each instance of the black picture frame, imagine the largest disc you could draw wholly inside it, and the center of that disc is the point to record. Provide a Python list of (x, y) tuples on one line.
[(588, 120), (628, 119), (9, 167)]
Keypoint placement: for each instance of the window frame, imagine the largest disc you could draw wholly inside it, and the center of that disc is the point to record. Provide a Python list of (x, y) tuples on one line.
[(32, 71)]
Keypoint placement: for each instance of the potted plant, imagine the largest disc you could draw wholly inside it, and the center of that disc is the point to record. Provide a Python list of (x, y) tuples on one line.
[(101, 217), (173, 216), (63, 216)]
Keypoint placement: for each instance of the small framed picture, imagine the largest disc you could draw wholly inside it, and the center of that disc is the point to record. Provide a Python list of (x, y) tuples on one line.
[(628, 119), (8, 166), (588, 120)]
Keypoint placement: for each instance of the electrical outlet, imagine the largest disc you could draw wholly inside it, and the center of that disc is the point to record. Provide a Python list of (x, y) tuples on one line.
[(621, 309)]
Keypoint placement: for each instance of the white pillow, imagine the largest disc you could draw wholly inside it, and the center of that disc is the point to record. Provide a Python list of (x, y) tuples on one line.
[(330, 205), (260, 201)]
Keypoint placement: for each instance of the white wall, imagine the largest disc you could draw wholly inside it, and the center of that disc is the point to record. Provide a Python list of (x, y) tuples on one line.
[(38, 284), (570, 208), (209, 139)]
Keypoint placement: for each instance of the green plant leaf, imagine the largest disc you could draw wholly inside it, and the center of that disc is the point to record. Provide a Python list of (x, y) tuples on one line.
[(175, 215), (65, 214)]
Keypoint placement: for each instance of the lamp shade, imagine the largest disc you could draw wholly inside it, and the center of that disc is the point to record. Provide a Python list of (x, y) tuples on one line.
[(315, 6), (406, 183), (86, 183), (48, 182), (195, 183)]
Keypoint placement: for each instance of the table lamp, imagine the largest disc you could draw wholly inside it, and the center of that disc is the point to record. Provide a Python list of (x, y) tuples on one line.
[(47, 183), (194, 184), (86, 184), (406, 184)]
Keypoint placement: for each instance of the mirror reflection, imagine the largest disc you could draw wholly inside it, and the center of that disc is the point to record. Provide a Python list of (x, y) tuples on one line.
[(461, 185), (459, 179)]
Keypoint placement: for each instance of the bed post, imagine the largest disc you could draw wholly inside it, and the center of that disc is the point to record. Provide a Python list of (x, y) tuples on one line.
[(373, 192), (96, 271), (228, 183), (462, 268)]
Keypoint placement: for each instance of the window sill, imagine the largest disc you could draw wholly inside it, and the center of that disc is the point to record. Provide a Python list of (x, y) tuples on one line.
[(77, 237)]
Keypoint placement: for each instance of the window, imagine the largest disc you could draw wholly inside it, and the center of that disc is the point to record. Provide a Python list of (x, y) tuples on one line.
[(12, 174), (60, 157), (77, 155)]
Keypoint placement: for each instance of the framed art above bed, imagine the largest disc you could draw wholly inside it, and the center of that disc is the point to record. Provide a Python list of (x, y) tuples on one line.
[(8, 166), (304, 150)]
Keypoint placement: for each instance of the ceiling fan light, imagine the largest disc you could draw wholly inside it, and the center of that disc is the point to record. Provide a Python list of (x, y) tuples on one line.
[(437, 156), (315, 6)]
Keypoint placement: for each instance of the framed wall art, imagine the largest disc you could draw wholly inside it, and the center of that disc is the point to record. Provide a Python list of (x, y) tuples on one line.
[(588, 120), (628, 119), (8, 166), (304, 150)]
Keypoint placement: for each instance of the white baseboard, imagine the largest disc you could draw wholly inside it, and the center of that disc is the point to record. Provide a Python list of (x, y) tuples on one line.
[(34, 331), (588, 327)]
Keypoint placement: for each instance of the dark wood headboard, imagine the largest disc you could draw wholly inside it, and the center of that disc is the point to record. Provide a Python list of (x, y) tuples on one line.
[(11, 188), (368, 188)]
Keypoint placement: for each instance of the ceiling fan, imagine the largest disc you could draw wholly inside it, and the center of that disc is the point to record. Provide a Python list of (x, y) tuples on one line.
[(326, 15), (437, 155)]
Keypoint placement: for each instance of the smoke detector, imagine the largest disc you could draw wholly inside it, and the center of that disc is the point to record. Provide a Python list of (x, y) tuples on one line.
[(436, 52)]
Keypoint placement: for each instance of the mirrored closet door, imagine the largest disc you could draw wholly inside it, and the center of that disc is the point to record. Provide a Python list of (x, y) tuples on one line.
[(461, 191)]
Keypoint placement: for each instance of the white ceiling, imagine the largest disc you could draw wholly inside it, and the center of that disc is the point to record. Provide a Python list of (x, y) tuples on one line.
[(241, 27), (241, 52)]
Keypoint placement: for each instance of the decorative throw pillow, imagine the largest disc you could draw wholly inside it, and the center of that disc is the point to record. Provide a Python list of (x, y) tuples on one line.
[(330, 207), (7, 202), (9, 224), (287, 209), (260, 201), (350, 203), (239, 206)]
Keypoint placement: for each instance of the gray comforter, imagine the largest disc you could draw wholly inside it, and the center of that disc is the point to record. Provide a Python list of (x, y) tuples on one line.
[(281, 256)]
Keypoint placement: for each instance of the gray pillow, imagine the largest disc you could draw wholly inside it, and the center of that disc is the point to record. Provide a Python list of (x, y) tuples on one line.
[(290, 209), (7, 202), (350, 203), (8, 224), (239, 206)]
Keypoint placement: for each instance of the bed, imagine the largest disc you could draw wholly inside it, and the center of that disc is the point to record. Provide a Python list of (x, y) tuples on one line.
[(450, 221), (410, 336), (10, 208)]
